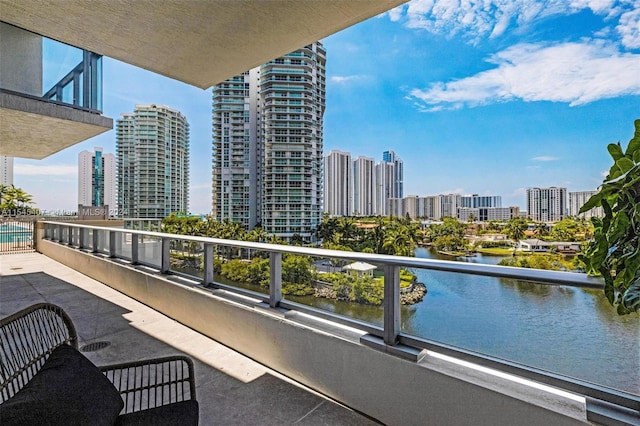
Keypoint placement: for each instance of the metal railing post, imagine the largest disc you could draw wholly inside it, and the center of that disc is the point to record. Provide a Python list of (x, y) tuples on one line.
[(96, 240), (69, 235), (112, 243), (81, 237), (275, 285), (165, 266), (134, 249), (208, 264), (391, 304)]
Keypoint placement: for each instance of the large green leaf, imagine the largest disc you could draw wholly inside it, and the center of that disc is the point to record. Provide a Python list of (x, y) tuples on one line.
[(615, 150), (634, 144), (631, 297)]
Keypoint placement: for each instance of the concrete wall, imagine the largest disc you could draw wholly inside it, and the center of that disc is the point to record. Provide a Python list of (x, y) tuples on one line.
[(392, 390), (20, 60)]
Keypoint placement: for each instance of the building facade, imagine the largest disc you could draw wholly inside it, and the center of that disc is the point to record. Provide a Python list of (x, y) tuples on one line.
[(237, 154), (384, 186), (578, 199), (364, 200), (6, 170), (398, 173), (97, 179), (152, 149), (486, 214), (476, 201), (268, 145), (547, 204), (338, 188)]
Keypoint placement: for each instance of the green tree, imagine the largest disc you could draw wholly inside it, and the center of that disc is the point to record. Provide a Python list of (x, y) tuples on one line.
[(565, 230), (614, 251), (12, 198), (515, 230), (540, 230)]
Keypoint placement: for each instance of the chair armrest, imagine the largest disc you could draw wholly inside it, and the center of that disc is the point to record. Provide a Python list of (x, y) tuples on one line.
[(153, 383)]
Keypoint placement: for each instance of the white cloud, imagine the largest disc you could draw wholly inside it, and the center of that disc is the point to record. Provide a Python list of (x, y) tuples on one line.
[(344, 79), (532, 167), (396, 13), (545, 158), (476, 19), (453, 191), (47, 170), (575, 73), (629, 27)]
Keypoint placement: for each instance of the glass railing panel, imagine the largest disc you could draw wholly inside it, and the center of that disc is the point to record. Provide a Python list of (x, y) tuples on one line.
[(103, 240), (187, 257), (336, 286), (123, 245), (51, 70), (242, 268), (150, 250), (572, 331)]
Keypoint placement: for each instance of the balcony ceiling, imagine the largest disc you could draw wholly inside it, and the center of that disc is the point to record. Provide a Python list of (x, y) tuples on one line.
[(195, 41)]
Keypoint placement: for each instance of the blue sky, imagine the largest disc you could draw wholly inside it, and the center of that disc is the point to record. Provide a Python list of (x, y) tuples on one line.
[(486, 97)]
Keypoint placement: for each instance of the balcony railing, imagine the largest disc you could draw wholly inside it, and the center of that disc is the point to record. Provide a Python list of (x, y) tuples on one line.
[(604, 405)]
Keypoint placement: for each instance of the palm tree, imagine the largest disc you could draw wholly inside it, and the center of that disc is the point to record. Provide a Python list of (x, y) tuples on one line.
[(540, 229), (515, 230)]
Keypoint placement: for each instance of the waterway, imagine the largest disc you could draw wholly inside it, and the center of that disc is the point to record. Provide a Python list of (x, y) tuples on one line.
[(562, 329)]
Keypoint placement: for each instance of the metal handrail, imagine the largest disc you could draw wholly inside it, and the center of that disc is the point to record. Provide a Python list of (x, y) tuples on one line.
[(390, 331)]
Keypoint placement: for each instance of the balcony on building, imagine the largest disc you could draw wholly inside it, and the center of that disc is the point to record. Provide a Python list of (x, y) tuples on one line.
[(50, 94)]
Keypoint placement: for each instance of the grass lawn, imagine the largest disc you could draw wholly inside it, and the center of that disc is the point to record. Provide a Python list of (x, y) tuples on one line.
[(499, 251)]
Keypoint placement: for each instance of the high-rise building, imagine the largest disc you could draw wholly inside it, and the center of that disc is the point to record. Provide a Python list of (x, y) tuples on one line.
[(578, 199), (6, 170), (547, 204), (267, 144), (398, 183), (237, 150), (363, 186), (338, 189), (97, 179), (476, 201), (449, 204), (384, 186), (152, 147)]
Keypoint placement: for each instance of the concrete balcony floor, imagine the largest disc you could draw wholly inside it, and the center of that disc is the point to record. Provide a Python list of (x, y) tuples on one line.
[(231, 388)]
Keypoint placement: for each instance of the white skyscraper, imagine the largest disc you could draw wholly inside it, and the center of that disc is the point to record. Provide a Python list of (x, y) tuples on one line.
[(97, 179), (547, 204), (6, 170), (152, 147), (338, 190), (267, 145), (449, 204), (398, 183), (384, 186), (363, 186), (578, 199)]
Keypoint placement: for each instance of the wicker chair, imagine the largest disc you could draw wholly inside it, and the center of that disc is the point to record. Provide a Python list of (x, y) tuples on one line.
[(28, 337)]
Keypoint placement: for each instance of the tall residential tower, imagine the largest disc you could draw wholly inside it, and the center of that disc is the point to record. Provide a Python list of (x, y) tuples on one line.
[(267, 144), (338, 190), (152, 146), (547, 204), (97, 179)]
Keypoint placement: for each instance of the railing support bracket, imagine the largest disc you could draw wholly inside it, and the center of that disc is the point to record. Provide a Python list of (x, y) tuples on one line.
[(401, 351)]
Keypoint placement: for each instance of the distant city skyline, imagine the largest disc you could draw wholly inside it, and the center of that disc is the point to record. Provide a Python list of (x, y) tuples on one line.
[(515, 95)]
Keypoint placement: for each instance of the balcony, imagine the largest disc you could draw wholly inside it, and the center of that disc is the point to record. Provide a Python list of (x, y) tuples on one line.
[(231, 388), (37, 122), (415, 378)]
